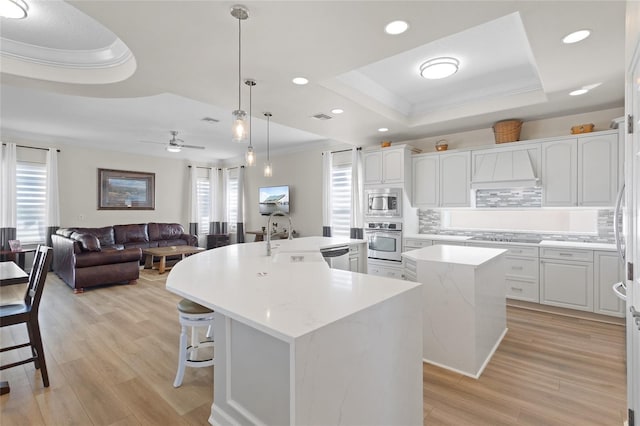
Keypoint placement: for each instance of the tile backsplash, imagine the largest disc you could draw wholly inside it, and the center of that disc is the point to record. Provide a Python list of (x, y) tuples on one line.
[(505, 198), (430, 222)]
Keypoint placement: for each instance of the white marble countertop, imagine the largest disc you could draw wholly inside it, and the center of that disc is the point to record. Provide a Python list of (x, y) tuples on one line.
[(578, 245), (459, 255), (283, 299), (543, 243)]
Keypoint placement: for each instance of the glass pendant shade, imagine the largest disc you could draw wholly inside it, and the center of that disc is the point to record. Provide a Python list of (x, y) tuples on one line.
[(268, 169), (239, 129), (250, 157)]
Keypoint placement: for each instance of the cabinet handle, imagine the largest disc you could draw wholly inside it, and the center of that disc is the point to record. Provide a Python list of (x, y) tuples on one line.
[(516, 251), (516, 289), (565, 254), (518, 268)]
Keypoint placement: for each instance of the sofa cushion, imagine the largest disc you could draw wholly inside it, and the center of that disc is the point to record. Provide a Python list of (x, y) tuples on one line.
[(165, 231), (88, 242), (136, 233), (66, 232), (86, 259), (104, 235), (169, 243)]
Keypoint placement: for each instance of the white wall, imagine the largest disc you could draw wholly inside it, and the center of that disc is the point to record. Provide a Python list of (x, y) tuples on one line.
[(302, 171)]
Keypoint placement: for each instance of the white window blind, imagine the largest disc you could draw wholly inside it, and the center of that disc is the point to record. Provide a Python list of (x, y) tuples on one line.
[(232, 201), (31, 183), (341, 200), (203, 194)]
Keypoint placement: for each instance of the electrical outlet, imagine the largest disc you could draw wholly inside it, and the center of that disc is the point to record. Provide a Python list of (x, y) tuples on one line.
[(81, 217)]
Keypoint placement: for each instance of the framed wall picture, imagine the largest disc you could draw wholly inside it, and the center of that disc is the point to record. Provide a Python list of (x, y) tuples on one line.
[(126, 190), (15, 245)]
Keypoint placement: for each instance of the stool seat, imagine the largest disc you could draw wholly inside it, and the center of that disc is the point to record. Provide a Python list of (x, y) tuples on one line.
[(186, 306), (195, 316)]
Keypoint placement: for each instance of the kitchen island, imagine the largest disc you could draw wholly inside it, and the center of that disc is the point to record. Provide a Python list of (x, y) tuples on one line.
[(300, 343), (464, 302)]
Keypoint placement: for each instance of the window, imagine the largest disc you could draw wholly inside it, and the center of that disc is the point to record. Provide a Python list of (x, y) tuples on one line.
[(340, 199), (31, 187), (203, 195), (232, 200)]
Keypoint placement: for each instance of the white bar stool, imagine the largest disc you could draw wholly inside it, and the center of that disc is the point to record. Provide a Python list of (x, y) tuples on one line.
[(193, 315)]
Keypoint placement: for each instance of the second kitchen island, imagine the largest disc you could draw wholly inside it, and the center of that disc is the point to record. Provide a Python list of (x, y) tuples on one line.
[(464, 302)]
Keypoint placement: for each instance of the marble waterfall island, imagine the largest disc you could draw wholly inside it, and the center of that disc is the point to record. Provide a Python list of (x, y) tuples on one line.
[(298, 343), (464, 302)]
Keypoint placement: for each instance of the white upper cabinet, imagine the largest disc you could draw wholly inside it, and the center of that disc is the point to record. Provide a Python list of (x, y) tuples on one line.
[(581, 170), (455, 179), (426, 180), (442, 180), (560, 172), (385, 166), (597, 169)]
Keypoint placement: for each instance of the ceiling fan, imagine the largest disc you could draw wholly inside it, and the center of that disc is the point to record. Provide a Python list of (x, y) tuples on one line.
[(175, 144)]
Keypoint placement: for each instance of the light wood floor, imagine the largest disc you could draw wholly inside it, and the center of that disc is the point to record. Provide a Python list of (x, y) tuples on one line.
[(112, 355)]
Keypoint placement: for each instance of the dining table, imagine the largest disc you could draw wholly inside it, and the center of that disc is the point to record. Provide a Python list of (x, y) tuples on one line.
[(10, 273)]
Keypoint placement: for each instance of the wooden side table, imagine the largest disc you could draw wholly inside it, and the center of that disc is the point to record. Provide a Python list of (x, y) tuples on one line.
[(17, 256), (217, 240)]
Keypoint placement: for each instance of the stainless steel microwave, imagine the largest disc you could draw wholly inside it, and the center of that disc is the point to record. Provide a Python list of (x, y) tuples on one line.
[(383, 202)]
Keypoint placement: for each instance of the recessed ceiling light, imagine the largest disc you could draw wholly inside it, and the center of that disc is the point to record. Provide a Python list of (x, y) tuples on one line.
[(396, 27), (300, 81), (337, 111), (383, 129), (578, 92), (576, 36), (437, 68), (14, 9)]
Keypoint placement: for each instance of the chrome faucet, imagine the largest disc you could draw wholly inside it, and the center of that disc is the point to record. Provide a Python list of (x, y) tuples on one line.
[(269, 229)]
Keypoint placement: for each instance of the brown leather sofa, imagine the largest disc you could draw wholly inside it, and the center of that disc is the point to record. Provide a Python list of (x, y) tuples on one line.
[(87, 257)]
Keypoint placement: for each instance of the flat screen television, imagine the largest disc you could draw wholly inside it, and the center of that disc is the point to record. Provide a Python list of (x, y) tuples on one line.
[(273, 199)]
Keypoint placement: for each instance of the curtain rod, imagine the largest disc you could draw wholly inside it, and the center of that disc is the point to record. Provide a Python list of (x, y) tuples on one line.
[(345, 150), (31, 147), (201, 167)]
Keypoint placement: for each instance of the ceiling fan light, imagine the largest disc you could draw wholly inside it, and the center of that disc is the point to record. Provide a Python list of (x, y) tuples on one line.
[(13, 9), (239, 129), (174, 148), (438, 68)]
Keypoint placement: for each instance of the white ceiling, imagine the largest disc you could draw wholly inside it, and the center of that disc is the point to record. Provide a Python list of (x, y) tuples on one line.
[(184, 67)]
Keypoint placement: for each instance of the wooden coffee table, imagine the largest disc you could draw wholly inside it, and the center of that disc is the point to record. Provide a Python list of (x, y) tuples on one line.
[(163, 252)]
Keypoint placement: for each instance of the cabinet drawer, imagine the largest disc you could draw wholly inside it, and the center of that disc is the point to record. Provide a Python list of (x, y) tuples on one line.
[(567, 254), (354, 249), (523, 290), (385, 272), (410, 265), (523, 268), (524, 251), (411, 244), (449, 243)]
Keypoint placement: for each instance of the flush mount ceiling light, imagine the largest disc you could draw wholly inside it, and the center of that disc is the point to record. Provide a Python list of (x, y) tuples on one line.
[(438, 68), (239, 129), (396, 27), (383, 129), (13, 9), (300, 81), (251, 155), (268, 167), (576, 36), (174, 148), (337, 111)]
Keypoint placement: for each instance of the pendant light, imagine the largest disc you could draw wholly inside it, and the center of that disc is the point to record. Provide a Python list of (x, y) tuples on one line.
[(268, 168), (251, 155), (239, 127)]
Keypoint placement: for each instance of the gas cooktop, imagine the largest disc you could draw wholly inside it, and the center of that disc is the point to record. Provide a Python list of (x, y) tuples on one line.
[(530, 240)]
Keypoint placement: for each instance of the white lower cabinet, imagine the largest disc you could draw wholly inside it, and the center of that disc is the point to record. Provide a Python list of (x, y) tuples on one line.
[(385, 269), (410, 269), (607, 271), (567, 283)]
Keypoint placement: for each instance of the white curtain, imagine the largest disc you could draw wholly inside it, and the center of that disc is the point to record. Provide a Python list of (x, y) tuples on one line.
[(53, 201), (193, 200), (240, 219), (8, 159), (224, 216), (215, 199), (357, 222), (326, 194)]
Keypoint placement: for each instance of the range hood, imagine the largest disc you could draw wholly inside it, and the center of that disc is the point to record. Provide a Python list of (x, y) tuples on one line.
[(505, 169)]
